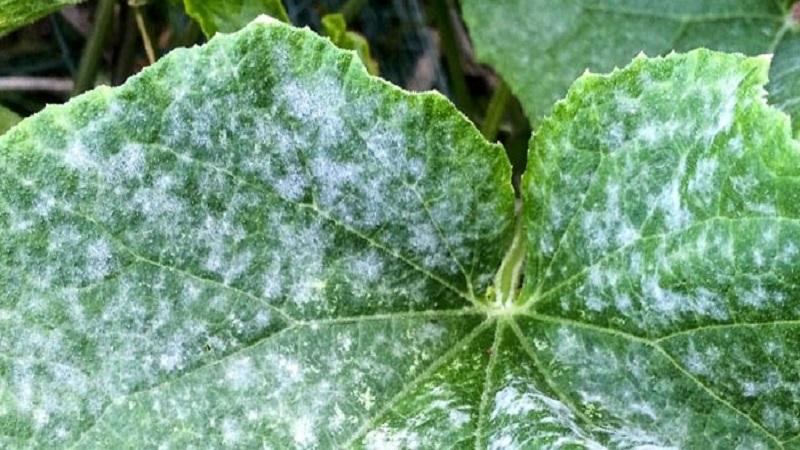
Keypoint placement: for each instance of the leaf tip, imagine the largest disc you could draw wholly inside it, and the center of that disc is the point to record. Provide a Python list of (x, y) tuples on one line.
[(765, 57), (266, 19)]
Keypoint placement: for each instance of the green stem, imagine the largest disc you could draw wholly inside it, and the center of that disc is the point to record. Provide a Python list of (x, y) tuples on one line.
[(496, 111), (508, 276), (93, 52), (452, 56), (351, 8), (148, 43)]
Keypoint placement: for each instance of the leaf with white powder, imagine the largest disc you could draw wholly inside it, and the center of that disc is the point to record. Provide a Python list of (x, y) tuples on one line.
[(255, 244), (661, 299), (251, 241)]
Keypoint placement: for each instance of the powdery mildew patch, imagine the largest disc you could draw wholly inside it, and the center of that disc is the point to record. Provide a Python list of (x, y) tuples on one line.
[(669, 264), (681, 229), (258, 391), (726, 358), (180, 224), (524, 412), (637, 395), (441, 410)]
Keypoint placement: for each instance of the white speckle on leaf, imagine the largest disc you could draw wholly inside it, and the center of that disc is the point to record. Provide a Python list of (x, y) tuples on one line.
[(704, 183), (649, 133), (385, 438), (98, 259), (303, 432), (231, 431), (170, 362), (128, 164), (78, 157), (241, 374)]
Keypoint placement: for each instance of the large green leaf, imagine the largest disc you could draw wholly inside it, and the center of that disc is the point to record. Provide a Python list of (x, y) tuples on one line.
[(662, 291), (254, 244), (253, 241), (227, 16), (16, 13), (541, 46)]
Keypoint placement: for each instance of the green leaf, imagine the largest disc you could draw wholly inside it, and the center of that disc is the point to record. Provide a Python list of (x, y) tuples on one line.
[(253, 243), (662, 294), (8, 119), (228, 16), (335, 27), (15, 13), (256, 244), (540, 46)]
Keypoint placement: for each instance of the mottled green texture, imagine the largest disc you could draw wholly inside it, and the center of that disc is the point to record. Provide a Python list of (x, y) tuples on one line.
[(663, 292), (16, 13), (253, 242), (228, 16), (541, 46), (8, 119)]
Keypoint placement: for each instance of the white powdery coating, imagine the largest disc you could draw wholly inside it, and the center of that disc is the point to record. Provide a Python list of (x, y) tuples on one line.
[(726, 360), (98, 260), (608, 227), (645, 150), (241, 374), (310, 398), (437, 414), (726, 89), (303, 432), (671, 202), (634, 286), (627, 399), (159, 203), (79, 157), (127, 165), (622, 382), (210, 229), (385, 438), (527, 418), (704, 184)]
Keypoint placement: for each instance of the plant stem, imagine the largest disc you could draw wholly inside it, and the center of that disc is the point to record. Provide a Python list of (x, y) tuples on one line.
[(93, 52), (452, 56), (495, 111), (351, 8), (508, 276), (148, 43)]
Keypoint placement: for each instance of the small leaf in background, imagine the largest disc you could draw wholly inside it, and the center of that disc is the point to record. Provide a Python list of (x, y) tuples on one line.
[(540, 46), (8, 119), (784, 75), (16, 13), (228, 16), (251, 243), (662, 287), (335, 27)]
